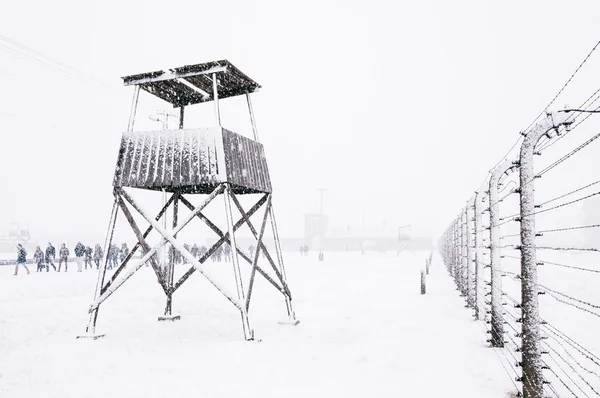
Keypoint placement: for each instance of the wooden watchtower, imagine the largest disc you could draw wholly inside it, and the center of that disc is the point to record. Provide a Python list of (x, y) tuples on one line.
[(210, 161)]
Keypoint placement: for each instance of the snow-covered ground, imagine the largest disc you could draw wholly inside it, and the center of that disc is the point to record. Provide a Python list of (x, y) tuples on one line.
[(365, 331)]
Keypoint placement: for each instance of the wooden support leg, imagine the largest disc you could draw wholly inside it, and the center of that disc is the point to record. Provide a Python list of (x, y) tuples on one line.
[(142, 241), (90, 330), (248, 332), (261, 244), (223, 238), (168, 316), (257, 253), (288, 300), (135, 248)]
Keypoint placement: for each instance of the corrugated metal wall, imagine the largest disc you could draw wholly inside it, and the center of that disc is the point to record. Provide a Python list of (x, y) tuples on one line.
[(245, 162), (193, 160)]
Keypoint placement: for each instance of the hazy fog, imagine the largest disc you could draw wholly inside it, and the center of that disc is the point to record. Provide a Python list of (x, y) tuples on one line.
[(397, 108)]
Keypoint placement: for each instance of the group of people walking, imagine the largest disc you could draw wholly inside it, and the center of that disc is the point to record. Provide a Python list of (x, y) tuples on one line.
[(85, 257)]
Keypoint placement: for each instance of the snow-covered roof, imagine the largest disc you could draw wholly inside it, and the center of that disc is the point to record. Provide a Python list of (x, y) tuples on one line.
[(193, 84)]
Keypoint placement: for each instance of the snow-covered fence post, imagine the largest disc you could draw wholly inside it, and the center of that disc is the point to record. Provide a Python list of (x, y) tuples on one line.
[(427, 266), (457, 256), (497, 328), (533, 378), (423, 287), (469, 254), (478, 245), (464, 252)]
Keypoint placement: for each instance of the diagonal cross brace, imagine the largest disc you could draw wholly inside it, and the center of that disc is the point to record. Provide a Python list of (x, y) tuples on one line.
[(257, 253), (214, 247), (154, 250), (179, 247), (262, 245), (135, 248), (143, 243), (225, 238)]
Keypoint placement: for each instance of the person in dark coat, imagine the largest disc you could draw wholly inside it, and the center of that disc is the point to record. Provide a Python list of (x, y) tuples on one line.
[(50, 255), (38, 258), (88, 257), (114, 255), (227, 252), (98, 252), (186, 247), (124, 251), (194, 250), (203, 251), (21, 259), (217, 254), (64, 256), (79, 253)]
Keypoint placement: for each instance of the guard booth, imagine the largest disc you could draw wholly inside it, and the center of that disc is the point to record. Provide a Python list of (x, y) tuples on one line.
[(209, 161)]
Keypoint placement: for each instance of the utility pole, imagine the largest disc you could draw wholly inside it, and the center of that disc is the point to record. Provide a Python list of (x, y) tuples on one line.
[(163, 118), (321, 225), (362, 239)]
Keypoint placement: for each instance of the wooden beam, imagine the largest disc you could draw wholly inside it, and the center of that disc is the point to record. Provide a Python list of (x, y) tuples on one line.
[(237, 225), (257, 253), (161, 278), (172, 76), (136, 247), (262, 245)]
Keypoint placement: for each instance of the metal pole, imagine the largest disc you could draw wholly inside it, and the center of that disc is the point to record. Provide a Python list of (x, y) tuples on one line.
[(216, 99), (321, 227), (362, 239), (181, 114), (134, 103)]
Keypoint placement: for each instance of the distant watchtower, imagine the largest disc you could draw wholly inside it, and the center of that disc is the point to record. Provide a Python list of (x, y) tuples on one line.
[(210, 161)]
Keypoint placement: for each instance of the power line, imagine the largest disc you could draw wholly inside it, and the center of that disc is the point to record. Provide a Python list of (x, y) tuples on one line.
[(565, 85), (47, 61)]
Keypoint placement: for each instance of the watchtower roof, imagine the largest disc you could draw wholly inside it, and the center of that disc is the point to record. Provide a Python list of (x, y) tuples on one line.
[(193, 84)]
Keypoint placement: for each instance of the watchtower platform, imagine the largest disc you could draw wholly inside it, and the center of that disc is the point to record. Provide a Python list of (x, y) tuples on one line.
[(211, 161)]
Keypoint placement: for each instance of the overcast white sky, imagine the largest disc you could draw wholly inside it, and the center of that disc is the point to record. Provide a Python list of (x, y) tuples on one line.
[(398, 108)]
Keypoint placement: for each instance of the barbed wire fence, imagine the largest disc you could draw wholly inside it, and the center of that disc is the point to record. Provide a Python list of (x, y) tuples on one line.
[(527, 260)]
